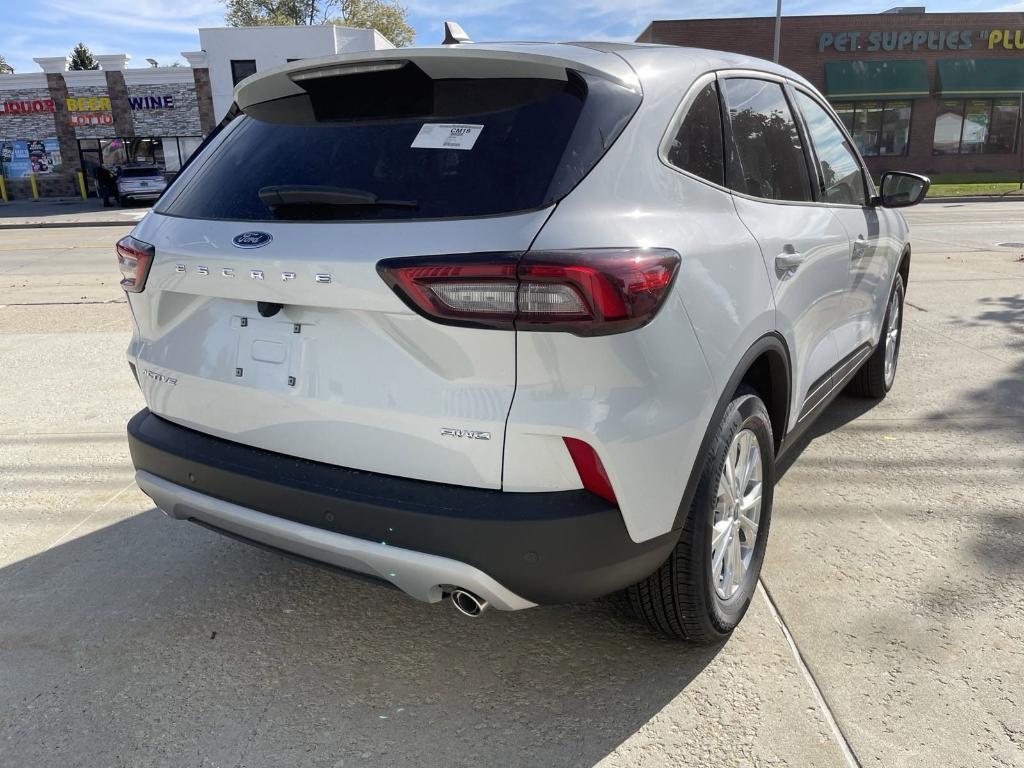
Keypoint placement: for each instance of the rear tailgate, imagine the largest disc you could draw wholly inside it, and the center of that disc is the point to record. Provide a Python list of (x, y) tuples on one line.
[(344, 373), (334, 166)]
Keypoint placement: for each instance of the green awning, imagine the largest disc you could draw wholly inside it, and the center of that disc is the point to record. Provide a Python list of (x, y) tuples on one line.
[(870, 79), (981, 77)]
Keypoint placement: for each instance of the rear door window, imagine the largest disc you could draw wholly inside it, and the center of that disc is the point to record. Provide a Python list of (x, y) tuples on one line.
[(766, 155), (697, 145), (408, 147)]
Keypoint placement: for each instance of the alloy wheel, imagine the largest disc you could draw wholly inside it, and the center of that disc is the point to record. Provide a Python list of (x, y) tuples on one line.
[(737, 514), (892, 338)]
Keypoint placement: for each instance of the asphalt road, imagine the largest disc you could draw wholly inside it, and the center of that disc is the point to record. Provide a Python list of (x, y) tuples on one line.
[(896, 562)]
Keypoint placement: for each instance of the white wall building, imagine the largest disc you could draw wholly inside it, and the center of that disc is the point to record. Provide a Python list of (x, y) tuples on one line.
[(232, 54)]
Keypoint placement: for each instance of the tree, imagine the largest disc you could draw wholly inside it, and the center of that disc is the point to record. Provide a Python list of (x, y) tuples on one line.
[(255, 13), (81, 58), (386, 16), (5, 68)]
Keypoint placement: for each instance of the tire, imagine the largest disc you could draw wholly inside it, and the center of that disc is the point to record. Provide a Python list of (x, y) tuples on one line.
[(874, 380), (682, 598)]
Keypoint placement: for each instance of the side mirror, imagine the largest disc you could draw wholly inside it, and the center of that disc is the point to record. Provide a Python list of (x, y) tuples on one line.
[(900, 189)]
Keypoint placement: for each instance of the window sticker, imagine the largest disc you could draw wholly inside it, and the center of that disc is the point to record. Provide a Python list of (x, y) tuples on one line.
[(447, 136)]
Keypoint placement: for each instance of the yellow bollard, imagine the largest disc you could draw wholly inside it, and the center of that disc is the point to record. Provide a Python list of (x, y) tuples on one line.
[(81, 184), (3, 190), (35, 189)]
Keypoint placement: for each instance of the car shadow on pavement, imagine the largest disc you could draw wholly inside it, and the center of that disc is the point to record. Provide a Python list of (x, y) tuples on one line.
[(841, 411), (152, 642)]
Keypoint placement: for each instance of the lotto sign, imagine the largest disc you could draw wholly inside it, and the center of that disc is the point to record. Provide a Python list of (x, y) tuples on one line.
[(81, 119)]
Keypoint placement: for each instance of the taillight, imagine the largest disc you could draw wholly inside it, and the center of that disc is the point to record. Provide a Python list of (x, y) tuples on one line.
[(591, 470), (586, 292), (134, 257)]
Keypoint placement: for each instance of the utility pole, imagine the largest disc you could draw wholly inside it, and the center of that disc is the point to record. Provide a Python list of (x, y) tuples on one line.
[(778, 29)]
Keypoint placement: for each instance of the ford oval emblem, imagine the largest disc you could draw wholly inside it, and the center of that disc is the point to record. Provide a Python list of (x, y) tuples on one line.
[(251, 239)]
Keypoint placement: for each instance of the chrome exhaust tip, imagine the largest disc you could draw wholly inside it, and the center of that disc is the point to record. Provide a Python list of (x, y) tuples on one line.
[(468, 604)]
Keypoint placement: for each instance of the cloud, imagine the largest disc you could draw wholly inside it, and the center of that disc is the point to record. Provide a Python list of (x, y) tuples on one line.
[(160, 29), (562, 20), (156, 16)]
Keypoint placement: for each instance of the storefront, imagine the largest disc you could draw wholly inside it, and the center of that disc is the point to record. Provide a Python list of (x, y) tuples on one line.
[(167, 152), (57, 124), (939, 93)]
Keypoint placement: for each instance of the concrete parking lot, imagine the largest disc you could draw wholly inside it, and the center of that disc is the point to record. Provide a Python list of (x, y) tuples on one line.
[(895, 567)]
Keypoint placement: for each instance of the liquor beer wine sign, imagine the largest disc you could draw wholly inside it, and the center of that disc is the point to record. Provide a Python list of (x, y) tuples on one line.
[(84, 110)]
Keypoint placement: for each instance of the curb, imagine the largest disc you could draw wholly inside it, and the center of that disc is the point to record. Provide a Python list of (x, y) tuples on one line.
[(67, 224), (974, 199)]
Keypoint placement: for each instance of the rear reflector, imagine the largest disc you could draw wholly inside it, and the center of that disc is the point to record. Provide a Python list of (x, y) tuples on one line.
[(591, 470), (134, 257), (586, 292)]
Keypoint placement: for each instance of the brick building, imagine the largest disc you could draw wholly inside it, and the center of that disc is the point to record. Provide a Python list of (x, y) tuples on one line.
[(938, 93)]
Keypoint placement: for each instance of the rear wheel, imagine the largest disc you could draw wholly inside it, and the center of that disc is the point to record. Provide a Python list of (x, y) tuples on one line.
[(704, 588), (876, 377)]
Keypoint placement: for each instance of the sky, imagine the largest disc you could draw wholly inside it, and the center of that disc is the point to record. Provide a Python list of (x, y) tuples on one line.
[(161, 29)]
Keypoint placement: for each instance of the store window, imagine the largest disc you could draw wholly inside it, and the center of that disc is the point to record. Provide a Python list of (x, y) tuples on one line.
[(144, 150), (113, 152), (976, 126), (188, 145), (241, 69), (879, 128), (167, 152)]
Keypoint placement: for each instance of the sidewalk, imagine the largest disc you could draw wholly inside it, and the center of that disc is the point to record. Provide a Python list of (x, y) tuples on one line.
[(75, 212), (67, 212)]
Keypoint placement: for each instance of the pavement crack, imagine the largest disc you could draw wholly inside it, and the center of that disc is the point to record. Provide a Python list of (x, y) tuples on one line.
[(61, 303), (88, 517), (819, 695), (950, 339)]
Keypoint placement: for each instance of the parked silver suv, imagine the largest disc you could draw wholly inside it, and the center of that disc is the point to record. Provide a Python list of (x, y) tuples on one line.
[(140, 181), (516, 323)]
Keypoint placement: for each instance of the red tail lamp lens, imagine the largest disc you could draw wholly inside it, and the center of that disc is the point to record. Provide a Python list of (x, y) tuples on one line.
[(587, 292), (590, 468), (134, 257)]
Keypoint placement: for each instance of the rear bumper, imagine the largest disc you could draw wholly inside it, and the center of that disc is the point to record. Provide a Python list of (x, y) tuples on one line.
[(513, 549)]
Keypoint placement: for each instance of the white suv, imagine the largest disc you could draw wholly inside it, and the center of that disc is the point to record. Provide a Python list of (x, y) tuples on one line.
[(515, 324)]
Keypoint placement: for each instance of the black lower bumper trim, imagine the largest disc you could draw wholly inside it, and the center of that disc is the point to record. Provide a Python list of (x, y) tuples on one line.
[(548, 548)]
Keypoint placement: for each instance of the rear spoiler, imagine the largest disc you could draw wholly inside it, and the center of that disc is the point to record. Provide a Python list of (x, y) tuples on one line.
[(545, 61)]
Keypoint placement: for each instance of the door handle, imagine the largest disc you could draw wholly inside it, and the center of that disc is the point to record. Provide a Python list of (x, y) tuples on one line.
[(788, 260), (860, 247)]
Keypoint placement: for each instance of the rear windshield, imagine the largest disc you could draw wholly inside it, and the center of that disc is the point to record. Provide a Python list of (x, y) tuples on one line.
[(407, 147), (130, 173)]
